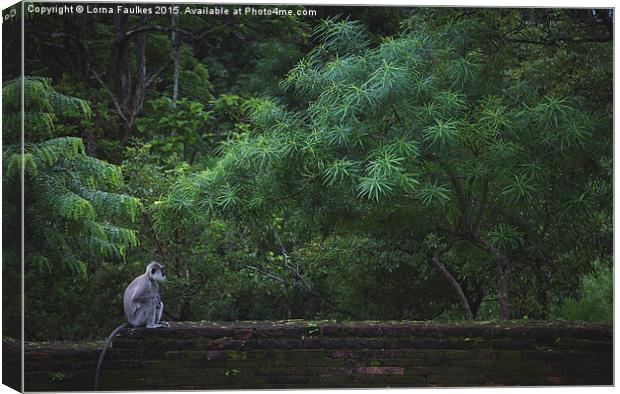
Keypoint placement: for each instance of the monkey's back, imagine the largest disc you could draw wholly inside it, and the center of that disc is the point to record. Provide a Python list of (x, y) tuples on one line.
[(141, 283)]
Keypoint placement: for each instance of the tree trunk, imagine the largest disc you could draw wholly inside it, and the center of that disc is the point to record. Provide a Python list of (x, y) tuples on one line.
[(130, 94), (140, 85), (175, 59), (475, 299), (502, 275), (122, 69), (455, 285), (89, 139)]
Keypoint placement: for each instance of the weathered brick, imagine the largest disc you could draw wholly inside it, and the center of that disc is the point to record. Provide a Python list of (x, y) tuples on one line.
[(298, 354)]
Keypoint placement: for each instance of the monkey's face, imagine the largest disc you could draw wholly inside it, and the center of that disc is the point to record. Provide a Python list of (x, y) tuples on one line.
[(156, 272)]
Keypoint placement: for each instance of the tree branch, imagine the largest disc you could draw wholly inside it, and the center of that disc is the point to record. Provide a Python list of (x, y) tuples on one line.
[(306, 289), (483, 204), (162, 251), (115, 102), (296, 193), (163, 29), (554, 41), (502, 273), (157, 73), (460, 195), (436, 260)]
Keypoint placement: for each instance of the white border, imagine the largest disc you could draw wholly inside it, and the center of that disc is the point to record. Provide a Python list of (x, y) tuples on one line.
[(451, 3)]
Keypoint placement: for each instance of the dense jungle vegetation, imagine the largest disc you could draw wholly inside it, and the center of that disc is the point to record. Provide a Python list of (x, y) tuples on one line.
[(366, 163)]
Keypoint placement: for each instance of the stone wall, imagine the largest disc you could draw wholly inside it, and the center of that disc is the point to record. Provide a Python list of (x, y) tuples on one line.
[(12, 363), (301, 354)]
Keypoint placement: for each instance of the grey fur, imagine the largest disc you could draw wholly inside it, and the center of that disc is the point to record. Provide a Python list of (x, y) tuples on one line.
[(141, 301), (142, 305)]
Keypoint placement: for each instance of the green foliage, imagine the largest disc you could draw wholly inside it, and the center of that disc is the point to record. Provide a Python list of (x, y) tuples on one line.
[(505, 236), (187, 130), (182, 130), (432, 193), (272, 61), (341, 36), (42, 106), (194, 82), (73, 214), (347, 269), (594, 301), (404, 122), (312, 167), (442, 134), (70, 213)]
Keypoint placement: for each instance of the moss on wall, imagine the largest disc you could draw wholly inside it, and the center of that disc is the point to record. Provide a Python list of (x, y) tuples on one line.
[(300, 354)]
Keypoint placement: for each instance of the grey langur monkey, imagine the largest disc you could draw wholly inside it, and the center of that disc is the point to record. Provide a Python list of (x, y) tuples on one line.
[(142, 304)]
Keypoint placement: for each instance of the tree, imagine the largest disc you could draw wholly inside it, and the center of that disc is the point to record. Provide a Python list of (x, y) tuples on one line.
[(119, 60), (73, 215), (408, 124), (389, 163)]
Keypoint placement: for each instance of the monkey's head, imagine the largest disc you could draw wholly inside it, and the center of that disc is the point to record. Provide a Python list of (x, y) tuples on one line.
[(155, 271)]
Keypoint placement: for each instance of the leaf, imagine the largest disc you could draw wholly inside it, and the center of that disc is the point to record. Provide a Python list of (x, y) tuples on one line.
[(341, 37), (521, 188), (442, 134), (228, 196), (404, 147), (373, 187), (463, 70), (493, 115), (552, 111), (450, 102), (384, 163), (433, 193), (339, 170), (505, 236)]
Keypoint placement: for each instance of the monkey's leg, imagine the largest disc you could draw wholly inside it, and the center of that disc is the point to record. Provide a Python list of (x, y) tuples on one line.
[(153, 315), (160, 312), (140, 317)]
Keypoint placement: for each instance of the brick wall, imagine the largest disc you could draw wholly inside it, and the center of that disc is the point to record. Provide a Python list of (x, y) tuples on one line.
[(301, 354)]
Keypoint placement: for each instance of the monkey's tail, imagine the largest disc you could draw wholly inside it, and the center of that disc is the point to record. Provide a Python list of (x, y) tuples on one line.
[(105, 350)]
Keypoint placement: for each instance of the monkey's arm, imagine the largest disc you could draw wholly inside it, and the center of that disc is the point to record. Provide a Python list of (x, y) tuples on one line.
[(142, 294)]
